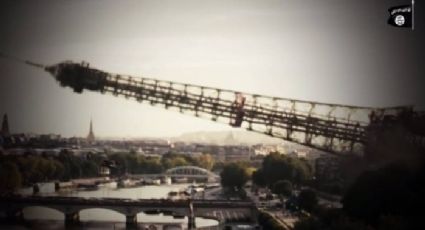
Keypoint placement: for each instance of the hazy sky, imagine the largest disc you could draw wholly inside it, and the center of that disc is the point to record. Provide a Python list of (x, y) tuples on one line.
[(330, 51)]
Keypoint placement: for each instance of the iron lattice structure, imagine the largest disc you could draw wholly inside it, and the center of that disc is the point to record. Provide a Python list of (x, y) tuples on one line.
[(332, 128)]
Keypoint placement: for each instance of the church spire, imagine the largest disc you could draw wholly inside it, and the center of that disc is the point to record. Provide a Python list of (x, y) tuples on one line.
[(90, 137), (91, 126)]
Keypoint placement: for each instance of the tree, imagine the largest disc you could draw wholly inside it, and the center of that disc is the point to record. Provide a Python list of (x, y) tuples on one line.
[(150, 165), (10, 177), (277, 167), (179, 161), (132, 162), (233, 176), (301, 170), (205, 161), (258, 178), (394, 190), (121, 163), (59, 170), (71, 164), (307, 200), (172, 160), (283, 187), (90, 169), (47, 168)]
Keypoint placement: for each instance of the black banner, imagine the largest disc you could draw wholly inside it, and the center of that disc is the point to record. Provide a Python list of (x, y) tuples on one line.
[(400, 16)]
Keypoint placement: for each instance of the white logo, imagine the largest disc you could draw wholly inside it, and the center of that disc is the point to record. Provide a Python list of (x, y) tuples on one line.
[(399, 20)]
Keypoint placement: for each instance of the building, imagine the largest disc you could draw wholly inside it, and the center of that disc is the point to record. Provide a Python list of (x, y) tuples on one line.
[(90, 137), (237, 153), (298, 153)]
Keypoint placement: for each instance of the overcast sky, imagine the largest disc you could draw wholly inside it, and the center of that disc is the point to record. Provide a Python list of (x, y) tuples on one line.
[(331, 51)]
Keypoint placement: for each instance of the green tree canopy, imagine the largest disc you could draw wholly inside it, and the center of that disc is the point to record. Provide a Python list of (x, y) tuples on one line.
[(276, 167), (283, 187), (205, 161), (233, 175), (90, 169), (258, 178), (10, 177), (396, 190)]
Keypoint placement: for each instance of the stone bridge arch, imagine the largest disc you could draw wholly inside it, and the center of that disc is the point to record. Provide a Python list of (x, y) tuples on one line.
[(40, 211), (106, 216)]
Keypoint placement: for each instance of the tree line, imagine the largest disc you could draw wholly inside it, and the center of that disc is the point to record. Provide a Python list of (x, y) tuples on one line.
[(140, 164), (27, 169)]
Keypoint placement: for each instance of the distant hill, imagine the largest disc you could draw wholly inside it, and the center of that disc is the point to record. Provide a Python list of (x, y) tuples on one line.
[(227, 138)]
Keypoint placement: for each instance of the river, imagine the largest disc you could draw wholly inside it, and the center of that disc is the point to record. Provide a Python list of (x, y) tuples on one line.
[(103, 218)]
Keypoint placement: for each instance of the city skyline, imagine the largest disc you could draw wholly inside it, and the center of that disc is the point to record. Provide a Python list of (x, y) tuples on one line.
[(264, 48), (206, 137)]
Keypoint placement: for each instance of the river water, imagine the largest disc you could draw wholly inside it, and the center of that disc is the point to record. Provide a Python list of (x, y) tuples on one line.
[(103, 218)]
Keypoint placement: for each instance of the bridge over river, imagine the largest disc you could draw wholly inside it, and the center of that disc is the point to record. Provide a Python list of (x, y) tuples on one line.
[(183, 172), (222, 210)]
